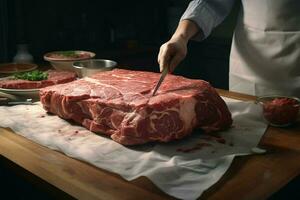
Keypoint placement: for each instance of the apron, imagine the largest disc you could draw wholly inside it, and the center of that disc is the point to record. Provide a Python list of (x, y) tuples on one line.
[(265, 52)]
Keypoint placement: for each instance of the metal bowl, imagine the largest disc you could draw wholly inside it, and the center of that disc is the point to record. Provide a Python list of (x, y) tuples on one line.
[(92, 66)]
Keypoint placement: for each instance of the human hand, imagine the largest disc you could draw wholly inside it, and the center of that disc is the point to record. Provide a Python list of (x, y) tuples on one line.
[(172, 53)]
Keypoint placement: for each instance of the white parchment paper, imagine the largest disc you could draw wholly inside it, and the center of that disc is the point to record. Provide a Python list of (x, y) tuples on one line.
[(183, 169)]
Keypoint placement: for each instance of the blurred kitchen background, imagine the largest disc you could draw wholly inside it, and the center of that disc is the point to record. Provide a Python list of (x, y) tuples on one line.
[(129, 32)]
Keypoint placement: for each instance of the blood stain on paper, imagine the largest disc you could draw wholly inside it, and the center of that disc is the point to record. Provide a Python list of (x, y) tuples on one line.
[(215, 137), (196, 147), (200, 145)]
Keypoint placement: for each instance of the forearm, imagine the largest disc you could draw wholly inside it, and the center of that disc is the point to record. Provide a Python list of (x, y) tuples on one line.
[(207, 14), (186, 29)]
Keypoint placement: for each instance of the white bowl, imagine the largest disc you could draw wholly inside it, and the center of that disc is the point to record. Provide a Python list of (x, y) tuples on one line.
[(63, 60), (92, 66)]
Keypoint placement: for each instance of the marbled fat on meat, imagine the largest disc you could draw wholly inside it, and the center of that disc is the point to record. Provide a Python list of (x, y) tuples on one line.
[(119, 103)]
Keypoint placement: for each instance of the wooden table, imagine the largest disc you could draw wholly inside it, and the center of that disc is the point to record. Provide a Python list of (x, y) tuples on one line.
[(249, 177)]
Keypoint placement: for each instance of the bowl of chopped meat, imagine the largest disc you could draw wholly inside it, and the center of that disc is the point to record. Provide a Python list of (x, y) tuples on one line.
[(63, 60), (279, 111)]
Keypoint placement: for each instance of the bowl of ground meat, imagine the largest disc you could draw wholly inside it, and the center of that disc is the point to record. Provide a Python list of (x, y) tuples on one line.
[(279, 111)]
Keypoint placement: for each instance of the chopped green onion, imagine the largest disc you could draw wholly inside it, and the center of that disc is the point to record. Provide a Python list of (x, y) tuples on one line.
[(68, 53), (34, 75)]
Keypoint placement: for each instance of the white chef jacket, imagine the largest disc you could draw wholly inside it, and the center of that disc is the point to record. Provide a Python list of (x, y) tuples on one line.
[(265, 52)]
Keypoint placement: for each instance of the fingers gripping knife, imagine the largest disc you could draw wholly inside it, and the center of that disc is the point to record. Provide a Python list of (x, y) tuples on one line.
[(162, 77)]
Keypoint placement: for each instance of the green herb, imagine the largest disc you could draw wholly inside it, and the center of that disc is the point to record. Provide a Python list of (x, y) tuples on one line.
[(68, 53), (34, 75)]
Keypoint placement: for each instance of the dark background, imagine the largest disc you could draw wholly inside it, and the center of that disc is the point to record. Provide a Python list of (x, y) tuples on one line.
[(129, 32)]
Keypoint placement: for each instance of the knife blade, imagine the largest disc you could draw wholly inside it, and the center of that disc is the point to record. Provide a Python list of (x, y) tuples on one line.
[(7, 102), (162, 77)]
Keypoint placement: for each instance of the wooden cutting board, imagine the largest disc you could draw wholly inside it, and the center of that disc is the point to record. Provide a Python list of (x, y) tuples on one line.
[(249, 177)]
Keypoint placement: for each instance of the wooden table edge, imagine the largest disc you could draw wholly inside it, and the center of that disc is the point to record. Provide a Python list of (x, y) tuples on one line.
[(138, 188)]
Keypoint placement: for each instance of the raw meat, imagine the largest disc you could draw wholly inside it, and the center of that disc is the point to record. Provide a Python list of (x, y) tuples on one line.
[(119, 103), (54, 77)]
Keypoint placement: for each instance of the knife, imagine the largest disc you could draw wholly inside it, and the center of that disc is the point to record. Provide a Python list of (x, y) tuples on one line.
[(8, 102), (162, 77)]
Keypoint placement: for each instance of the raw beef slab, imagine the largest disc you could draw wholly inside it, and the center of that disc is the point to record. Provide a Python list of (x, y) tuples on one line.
[(119, 103), (54, 77)]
